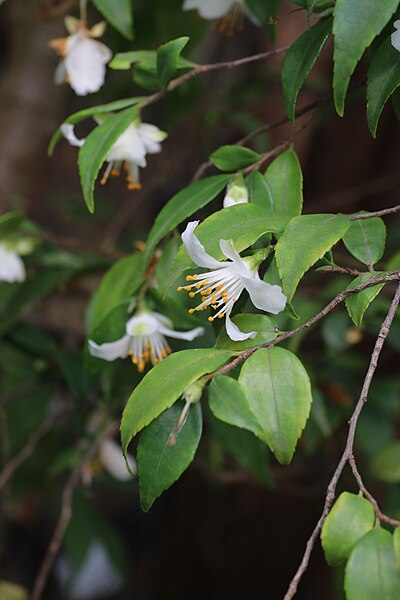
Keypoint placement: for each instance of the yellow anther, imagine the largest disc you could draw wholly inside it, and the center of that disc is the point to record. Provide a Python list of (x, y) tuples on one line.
[(180, 288), (192, 294), (218, 287), (188, 288), (115, 172), (134, 360), (226, 300), (134, 186), (191, 311), (224, 293), (211, 319), (209, 291), (198, 286), (103, 181), (214, 306), (189, 278), (221, 316), (148, 346), (140, 367)]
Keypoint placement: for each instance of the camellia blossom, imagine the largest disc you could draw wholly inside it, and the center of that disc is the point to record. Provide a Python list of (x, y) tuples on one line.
[(395, 37), (12, 268), (83, 59), (144, 340), (221, 287), (128, 152), (236, 192)]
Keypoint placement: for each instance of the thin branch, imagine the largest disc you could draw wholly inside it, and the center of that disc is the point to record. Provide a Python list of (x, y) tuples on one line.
[(26, 451), (378, 213), (348, 452), (80, 245), (65, 514), (344, 270), (395, 276), (83, 10)]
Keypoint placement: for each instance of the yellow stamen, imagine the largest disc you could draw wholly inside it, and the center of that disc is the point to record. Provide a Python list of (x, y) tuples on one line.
[(211, 319), (191, 311), (134, 186), (192, 294)]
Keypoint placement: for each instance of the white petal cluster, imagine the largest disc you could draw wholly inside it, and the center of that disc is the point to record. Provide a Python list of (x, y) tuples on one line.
[(129, 151), (144, 340), (83, 59), (395, 37), (212, 9), (222, 286), (236, 192), (12, 268)]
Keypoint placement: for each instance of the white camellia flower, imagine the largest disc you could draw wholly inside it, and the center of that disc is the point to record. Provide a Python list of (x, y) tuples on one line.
[(112, 459), (221, 287), (236, 192), (144, 340), (128, 152), (83, 59), (12, 268), (213, 9), (395, 37)]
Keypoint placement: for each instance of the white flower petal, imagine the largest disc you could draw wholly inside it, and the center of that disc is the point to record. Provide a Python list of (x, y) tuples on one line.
[(395, 37), (60, 74), (228, 248), (113, 460), (110, 350), (196, 250), (85, 63), (234, 332), (231, 201), (142, 324), (182, 335), (210, 9), (129, 147), (69, 133), (12, 268), (263, 295), (151, 137)]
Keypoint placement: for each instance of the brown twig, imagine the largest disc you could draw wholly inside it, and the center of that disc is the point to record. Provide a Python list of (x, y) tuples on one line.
[(348, 452), (395, 276), (65, 514), (344, 270), (378, 213)]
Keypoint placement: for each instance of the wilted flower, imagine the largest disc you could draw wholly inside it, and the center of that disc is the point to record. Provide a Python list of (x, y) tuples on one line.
[(221, 287), (144, 340), (12, 268), (128, 152), (236, 192), (83, 59), (395, 37), (112, 459)]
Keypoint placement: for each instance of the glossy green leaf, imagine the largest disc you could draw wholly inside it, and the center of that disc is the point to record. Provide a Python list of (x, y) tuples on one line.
[(285, 184), (280, 404), (357, 304), (350, 518), (90, 112), (119, 14), (299, 60), (305, 240), (243, 224), (371, 571), (386, 465), (118, 284), (111, 324), (164, 384), (96, 147), (258, 189), (162, 461), (264, 326), (396, 545), (168, 59), (383, 80), (365, 240), (356, 23), (9, 222), (233, 158), (182, 206), (229, 403)]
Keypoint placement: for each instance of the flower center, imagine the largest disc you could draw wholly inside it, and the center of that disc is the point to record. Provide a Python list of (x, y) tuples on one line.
[(148, 348), (219, 289), (114, 168)]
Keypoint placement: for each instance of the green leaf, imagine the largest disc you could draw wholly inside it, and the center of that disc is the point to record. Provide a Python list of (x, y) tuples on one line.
[(350, 518), (160, 462), (356, 23), (305, 240), (263, 325), (300, 59), (119, 14), (285, 183), (164, 384), (259, 192), (386, 465), (396, 545), (281, 404), (168, 58), (9, 222), (96, 147), (383, 80), (365, 240), (181, 206), (358, 303), (90, 112), (233, 158), (371, 571), (118, 284), (228, 403), (243, 224)]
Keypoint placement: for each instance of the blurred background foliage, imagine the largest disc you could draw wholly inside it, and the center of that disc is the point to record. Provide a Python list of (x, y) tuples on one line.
[(236, 522)]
